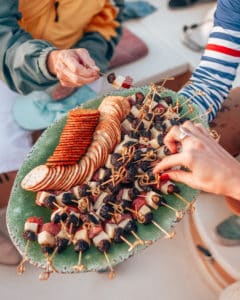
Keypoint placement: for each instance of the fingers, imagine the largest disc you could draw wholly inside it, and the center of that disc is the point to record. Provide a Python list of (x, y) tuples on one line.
[(170, 162), (74, 67), (171, 138), (182, 176)]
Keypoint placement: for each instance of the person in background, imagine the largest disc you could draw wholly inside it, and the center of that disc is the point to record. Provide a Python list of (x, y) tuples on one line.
[(44, 44)]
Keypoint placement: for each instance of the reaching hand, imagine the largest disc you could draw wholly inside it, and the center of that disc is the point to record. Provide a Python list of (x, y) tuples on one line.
[(211, 168), (73, 67)]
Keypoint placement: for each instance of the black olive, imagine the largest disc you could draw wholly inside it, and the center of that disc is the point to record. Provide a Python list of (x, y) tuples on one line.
[(84, 190), (139, 97), (158, 119), (130, 174), (67, 199), (145, 165), (136, 123), (148, 116), (174, 122), (151, 176), (158, 126), (133, 193), (47, 249), (134, 134), (93, 219), (29, 235), (111, 77), (146, 133), (130, 117), (106, 211), (160, 138), (126, 203), (114, 189), (49, 202), (182, 120), (145, 188), (72, 219), (103, 245), (130, 226), (61, 244), (129, 144), (81, 245), (156, 97), (137, 155), (108, 198), (116, 160), (59, 217), (148, 218), (117, 235), (166, 151), (168, 100)]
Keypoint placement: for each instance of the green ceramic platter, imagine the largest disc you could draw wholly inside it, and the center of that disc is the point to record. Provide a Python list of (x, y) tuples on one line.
[(22, 205)]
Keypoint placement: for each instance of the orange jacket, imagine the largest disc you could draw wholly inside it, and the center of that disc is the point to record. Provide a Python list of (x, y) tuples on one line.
[(64, 22)]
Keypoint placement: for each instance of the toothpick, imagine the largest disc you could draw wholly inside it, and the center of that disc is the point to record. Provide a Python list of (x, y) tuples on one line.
[(139, 240), (179, 213), (79, 267), (195, 94), (164, 82), (21, 267), (190, 205), (131, 246), (111, 274), (168, 235), (203, 114)]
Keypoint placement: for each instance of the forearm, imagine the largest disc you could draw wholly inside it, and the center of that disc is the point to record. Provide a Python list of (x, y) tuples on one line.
[(22, 59), (217, 69)]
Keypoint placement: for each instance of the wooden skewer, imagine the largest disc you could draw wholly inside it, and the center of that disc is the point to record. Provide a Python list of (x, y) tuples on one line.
[(49, 266), (179, 213), (131, 245), (21, 267), (111, 273), (168, 235), (202, 115), (139, 240), (79, 267), (190, 205)]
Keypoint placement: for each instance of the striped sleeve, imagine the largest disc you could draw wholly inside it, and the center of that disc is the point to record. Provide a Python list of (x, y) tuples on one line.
[(217, 69)]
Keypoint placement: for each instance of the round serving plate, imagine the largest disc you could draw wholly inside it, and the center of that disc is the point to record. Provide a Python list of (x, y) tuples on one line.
[(22, 203)]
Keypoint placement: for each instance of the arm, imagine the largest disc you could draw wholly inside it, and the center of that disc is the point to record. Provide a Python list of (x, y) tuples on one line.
[(217, 69), (211, 168), (28, 64), (22, 59)]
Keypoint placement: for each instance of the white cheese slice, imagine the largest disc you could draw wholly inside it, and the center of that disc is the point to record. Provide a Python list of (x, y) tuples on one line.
[(31, 226), (45, 238), (101, 236)]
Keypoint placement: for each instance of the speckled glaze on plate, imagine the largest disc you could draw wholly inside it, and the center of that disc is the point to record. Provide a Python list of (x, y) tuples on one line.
[(22, 204)]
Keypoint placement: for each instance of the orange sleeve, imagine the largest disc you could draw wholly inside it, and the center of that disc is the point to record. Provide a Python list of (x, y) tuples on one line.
[(105, 22)]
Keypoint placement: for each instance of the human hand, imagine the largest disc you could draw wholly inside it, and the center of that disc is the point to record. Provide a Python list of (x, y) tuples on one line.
[(211, 168), (73, 67)]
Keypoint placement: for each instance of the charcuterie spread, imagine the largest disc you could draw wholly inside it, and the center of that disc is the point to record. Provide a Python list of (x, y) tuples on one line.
[(86, 198)]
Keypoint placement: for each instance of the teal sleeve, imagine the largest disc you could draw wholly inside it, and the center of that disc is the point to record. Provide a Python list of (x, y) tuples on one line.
[(22, 58)]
